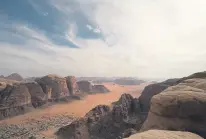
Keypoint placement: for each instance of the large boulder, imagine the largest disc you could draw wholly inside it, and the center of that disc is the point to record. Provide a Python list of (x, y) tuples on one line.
[(181, 107), (72, 84), (14, 100), (99, 88), (38, 97), (54, 87), (151, 90), (104, 122), (85, 86), (164, 134)]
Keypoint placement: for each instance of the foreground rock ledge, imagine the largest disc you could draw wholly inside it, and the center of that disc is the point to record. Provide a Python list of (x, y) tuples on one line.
[(180, 107), (163, 134)]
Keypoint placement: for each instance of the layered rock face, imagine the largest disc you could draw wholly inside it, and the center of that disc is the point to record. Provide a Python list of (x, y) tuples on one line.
[(38, 97), (72, 84), (84, 86), (54, 86), (181, 107), (14, 100), (104, 122), (151, 90), (164, 134)]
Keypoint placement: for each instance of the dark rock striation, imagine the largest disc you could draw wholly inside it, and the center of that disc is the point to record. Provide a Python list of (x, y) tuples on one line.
[(104, 122)]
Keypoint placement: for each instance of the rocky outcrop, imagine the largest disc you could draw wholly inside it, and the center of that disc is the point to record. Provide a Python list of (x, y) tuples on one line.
[(88, 87), (54, 87), (14, 76), (181, 107), (104, 122), (72, 84), (153, 89), (2, 85), (99, 89), (14, 100), (85, 86), (200, 75), (164, 134), (38, 97)]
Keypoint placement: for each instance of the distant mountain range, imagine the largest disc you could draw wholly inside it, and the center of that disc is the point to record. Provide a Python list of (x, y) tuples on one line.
[(96, 80), (13, 76)]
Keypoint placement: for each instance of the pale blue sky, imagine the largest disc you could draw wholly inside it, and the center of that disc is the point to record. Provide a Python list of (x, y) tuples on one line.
[(146, 39)]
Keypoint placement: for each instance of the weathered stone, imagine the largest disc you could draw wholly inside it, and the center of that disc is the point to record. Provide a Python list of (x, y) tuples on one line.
[(54, 86), (14, 100), (85, 86), (179, 107), (38, 97), (99, 89), (105, 123), (164, 134), (72, 85), (154, 89)]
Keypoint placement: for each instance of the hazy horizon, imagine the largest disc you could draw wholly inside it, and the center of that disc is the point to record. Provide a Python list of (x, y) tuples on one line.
[(145, 39)]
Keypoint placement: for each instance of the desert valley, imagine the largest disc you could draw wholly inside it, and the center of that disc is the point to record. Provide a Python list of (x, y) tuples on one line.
[(42, 118), (57, 107), (102, 69)]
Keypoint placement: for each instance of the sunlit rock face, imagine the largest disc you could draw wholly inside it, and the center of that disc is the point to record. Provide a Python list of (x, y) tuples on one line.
[(72, 85), (181, 107), (38, 97), (54, 86)]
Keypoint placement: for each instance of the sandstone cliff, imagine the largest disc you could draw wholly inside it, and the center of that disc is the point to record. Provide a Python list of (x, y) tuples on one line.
[(14, 100), (54, 87)]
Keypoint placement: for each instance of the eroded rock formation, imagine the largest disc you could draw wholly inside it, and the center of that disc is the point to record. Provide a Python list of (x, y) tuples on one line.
[(14, 100), (38, 97), (72, 85), (181, 107), (54, 86), (99, 89), (104, 122), (85, 86)]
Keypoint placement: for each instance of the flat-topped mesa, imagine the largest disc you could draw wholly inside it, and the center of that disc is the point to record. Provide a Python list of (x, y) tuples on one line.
[(72, 85), (88, 87), (54, 87), (14, 100), (99, 88), (85, 86)]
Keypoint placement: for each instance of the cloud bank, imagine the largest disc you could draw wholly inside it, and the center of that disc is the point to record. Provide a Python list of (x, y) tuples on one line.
[(146, 39)]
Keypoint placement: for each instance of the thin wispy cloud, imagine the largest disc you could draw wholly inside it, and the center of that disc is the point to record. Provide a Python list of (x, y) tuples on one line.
[(147, 39)]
